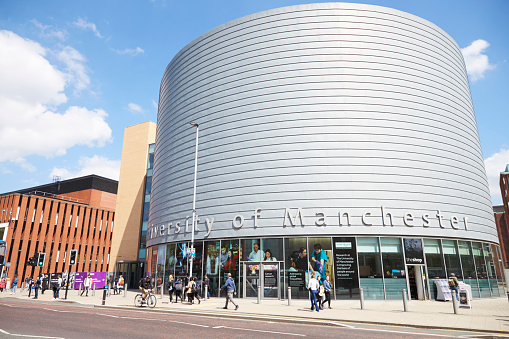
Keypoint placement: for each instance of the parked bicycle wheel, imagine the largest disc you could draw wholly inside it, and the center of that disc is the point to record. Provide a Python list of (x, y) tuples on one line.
[(152, 301), (138, 300)]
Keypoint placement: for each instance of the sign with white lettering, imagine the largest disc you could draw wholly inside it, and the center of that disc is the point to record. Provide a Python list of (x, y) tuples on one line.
[(413, 251), (345, 268)]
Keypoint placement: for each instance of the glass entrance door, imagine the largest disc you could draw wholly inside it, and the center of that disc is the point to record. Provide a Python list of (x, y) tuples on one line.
[(251, 279), (265, 275)]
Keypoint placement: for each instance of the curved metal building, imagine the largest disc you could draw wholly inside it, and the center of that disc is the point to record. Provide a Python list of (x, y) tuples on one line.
[(325, 120)]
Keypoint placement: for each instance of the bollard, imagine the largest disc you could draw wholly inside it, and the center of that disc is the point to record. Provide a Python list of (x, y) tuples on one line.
[(289, 296), (93, 291), (206, 295), (79, 291), (104, 295), (162, 292), (405, 303), (361, 295), (455, 302), (125, 290), (508, 296), (259, 294)]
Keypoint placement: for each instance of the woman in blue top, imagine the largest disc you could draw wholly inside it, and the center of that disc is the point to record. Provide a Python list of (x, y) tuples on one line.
[(327, 286)]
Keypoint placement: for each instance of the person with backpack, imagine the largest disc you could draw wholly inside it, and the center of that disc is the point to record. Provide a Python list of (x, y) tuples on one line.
[(453, 285), (37, 284), (230, 291), (178, 290), (190, 290), (171, 287)]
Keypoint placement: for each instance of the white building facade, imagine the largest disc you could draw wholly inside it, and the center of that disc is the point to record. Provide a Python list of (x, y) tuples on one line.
[(346, 126)]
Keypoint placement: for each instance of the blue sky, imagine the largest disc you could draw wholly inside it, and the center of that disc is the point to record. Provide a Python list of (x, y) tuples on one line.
[(74, 74)]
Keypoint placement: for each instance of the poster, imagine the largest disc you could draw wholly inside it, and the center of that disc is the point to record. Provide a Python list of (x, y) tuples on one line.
[(296, 278), (99, 279), (345, 267), (413, 251), (270, 278)]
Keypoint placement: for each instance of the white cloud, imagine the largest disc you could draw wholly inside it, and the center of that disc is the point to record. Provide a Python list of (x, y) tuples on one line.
[(29, 87), (135, 108), (476, 62), (76, 71), (95, 165), (130, 51), (87, 26), (495, 164), (48, 32), (154, 104)]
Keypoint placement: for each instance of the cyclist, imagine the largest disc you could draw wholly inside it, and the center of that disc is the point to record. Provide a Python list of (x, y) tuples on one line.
[(145, 287)]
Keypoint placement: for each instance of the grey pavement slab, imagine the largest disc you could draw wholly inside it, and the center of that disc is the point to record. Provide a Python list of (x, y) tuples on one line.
[(491, 314)]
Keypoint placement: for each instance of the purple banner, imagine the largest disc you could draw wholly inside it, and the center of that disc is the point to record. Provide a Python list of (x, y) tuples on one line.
[(98, 279)]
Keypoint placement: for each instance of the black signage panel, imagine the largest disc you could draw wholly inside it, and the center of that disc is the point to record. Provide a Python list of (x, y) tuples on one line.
[(413, 251), (270, 278), (346, 277), (296, 278)]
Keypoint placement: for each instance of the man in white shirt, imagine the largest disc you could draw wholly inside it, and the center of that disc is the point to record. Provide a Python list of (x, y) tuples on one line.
[(313, 286), (87, 283), (256, 254)]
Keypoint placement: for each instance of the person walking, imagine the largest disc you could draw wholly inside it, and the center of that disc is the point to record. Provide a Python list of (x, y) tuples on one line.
[(120, 283), (56, 287), (327, 287), (178, 290), (2, 285), (313, 286), (115, 286), (37, 284), (231, 290), (190, 288), (14, 284), (30, 284), (45, 283), (196, 292), (87, 283), (171, 287), (27, 282), (206, 287), (453, 285)]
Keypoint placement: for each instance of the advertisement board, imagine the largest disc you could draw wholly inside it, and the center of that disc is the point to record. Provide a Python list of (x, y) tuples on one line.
[(346, 276)]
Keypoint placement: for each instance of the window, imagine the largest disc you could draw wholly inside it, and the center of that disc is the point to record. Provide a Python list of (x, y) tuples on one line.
[(467, 262), (370, 268), (393, 266)]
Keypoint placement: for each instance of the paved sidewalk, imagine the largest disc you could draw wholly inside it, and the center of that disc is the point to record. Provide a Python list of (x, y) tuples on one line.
[(490, 315)]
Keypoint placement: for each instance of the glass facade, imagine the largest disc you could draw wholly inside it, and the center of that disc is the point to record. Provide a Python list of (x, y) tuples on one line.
[(146, 203), (375, 264)]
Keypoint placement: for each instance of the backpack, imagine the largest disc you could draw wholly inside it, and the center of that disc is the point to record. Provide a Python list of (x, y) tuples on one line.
[(178, 286), (193, 288), (451, 282)]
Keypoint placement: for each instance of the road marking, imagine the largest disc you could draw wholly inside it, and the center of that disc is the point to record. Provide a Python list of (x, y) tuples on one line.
[(28, 335), (404, 332), (251, 330)]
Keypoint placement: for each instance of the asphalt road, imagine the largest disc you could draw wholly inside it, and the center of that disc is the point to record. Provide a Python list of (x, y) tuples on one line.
[(65, 320)]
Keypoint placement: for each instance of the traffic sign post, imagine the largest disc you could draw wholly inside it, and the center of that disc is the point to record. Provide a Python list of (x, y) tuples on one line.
[(72, 262)]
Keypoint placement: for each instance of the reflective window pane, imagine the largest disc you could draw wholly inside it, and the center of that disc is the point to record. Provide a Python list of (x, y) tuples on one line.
[(393, 266), (212, 264), (482, 273), (370, 268), (435, 264), (297, 267), (467, 262), (452, 259)]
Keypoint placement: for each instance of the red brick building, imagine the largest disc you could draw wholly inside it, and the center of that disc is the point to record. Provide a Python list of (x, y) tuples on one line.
[(502, 216), (55, 218)]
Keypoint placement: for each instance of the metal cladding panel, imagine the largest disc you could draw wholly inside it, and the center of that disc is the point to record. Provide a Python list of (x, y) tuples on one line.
[(347, 112)]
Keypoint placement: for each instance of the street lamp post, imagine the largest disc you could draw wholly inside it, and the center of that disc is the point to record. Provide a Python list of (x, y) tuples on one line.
[(194, 198)]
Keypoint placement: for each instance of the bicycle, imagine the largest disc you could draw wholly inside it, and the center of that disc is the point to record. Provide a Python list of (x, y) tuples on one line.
[(151, 300)]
